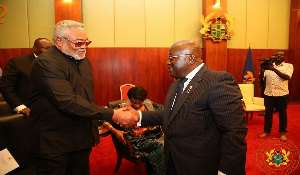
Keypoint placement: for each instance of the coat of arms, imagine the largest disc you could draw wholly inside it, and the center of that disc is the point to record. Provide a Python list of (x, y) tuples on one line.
[(277, 157), (216, 28)]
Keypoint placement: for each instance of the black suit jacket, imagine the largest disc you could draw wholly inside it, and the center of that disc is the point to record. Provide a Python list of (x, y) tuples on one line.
[(205, 132), (15, 84), (63, 113)]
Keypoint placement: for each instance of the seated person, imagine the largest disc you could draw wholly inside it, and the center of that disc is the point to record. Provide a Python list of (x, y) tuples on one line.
[(146, 142)]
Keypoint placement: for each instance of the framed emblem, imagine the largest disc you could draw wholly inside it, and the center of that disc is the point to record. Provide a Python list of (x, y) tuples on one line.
[(217, 29)]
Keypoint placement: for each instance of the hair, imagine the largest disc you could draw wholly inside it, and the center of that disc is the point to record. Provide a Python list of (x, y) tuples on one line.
[(37, 41), (137, 93), (193, 46), (61, 28), (280, 51)]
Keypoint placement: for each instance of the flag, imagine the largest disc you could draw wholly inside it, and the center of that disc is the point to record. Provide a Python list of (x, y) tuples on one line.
[(248, 73)]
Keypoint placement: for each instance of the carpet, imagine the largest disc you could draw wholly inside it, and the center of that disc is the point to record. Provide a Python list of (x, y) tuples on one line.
[(103, 158)]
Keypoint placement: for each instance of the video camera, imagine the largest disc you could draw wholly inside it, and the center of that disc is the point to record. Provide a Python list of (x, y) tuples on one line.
[(267, 61)]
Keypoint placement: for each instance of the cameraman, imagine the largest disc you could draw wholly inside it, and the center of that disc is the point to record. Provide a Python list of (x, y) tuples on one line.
[(276, 93), (262, 81)]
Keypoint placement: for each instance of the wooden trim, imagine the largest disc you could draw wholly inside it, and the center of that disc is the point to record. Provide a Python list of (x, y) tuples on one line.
[(294, 51), (215, 54), (68, 10)]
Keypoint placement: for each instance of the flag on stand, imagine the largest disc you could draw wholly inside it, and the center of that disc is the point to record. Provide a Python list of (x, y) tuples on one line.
[(248, 73)]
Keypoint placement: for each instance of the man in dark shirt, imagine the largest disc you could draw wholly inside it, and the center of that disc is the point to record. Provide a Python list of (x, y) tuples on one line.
[(63, 111)]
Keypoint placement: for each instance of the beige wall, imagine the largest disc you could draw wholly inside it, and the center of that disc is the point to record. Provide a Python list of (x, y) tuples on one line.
[(25, 21), (263, 24), (41, 19), (141, 23), (14, 29)]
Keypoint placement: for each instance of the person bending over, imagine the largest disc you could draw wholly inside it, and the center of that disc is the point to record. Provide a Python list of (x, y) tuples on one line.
[(146, 142)]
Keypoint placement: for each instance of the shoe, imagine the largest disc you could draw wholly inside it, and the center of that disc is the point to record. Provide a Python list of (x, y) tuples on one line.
[(262, 114), (263, 135), (283, 137)]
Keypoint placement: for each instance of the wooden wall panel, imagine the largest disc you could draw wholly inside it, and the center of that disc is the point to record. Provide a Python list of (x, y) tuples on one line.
[(294, 51), (67, 10), (102, 61), (146, 67), (215, 54), (6, 54)]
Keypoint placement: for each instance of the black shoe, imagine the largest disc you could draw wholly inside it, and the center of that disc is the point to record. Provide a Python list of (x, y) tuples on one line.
[(262, 114)]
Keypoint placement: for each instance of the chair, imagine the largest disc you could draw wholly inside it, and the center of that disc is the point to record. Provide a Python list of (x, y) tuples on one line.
[(14, 136), (1, 98), (124, 89), (252, 104), (124, 151), (114, 104), (5, 110)]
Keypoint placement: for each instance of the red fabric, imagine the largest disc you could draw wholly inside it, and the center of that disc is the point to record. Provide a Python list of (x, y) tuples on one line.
[(124, 89)]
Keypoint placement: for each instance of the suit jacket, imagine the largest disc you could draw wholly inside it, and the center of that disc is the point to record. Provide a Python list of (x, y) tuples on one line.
[(205, 132), (63, 110), (15, 84)]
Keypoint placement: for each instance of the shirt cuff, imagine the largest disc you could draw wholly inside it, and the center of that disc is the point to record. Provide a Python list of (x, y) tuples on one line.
[(220, 173), (140, 121), (20, 108)]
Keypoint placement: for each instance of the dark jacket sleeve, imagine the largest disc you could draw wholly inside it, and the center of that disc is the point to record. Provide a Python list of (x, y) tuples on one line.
[(69, 93)]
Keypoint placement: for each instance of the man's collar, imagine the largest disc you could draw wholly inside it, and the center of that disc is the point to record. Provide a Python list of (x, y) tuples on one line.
[(194, 72), (281, 64)]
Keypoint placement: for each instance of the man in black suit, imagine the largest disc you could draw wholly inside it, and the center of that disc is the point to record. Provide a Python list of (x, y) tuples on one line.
[(63, 111), (205, 126), (15, 84)]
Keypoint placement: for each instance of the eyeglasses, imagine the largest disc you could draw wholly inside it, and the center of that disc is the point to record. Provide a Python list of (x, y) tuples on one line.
[(79, 43), (171, 58), (279, 54)]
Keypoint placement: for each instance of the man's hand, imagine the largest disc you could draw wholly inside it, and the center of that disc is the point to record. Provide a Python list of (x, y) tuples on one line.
[(269, 67), (126, 117), (26, 112)]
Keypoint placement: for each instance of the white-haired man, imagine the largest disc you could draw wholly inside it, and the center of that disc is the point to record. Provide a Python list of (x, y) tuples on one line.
[(63, 111)]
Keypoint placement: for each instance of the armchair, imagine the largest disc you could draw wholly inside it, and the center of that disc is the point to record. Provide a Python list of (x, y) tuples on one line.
[(252, 104), (124, 151), (1, 98), (5, 110), (14, 136), (124, 89)]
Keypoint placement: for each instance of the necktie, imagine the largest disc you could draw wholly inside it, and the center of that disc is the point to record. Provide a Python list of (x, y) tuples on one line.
[(179, 90)]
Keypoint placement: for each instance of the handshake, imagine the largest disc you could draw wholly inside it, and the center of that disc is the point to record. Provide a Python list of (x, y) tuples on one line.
[(126, 116)]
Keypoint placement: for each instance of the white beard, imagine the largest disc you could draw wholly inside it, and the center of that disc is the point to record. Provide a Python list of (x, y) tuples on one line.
[(75, 56)]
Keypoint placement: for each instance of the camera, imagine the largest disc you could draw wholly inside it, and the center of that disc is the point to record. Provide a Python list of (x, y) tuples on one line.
[(267, 61)]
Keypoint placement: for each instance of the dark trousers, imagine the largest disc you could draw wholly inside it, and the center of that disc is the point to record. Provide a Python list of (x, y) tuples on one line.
[(280, 103), (170, 167), (71, 163)]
